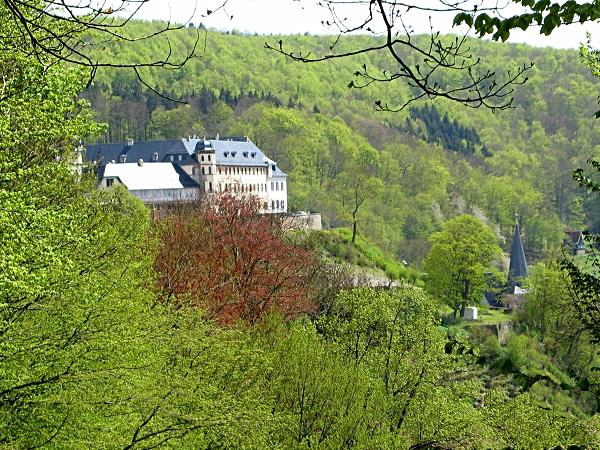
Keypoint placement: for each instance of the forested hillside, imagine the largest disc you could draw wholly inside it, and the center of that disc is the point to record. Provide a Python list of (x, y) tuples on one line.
[(416, 167), (216, 326)]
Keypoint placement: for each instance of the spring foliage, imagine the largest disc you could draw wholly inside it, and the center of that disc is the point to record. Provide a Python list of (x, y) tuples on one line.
[(222, 255), (91, 358)]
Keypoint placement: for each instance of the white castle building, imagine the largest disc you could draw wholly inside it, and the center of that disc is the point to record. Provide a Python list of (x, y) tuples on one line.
[(172, 170)]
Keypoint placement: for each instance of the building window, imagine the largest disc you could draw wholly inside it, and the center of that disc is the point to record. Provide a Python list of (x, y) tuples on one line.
[(209, 170), (171, 158), (202, 170), (272, 204), (210, 187), (109, 182), (282, 205), (272, 186), (277, 203), (202, 158), (179, 157), (208, 157)]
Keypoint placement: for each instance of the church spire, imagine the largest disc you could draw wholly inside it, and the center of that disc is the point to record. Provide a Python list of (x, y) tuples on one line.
[(518, 265)]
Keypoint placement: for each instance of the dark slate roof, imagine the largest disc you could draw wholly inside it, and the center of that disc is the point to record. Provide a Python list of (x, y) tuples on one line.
[(518, 265), (575, 237), (185, 180), (104, 153), (236, 151), (239, 151)]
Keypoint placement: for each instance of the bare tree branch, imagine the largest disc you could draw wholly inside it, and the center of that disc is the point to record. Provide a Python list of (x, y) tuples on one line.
[(423, 66), (75, 31)]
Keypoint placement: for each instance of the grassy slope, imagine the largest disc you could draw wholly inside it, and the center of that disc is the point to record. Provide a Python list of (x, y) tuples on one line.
[(337, 244)]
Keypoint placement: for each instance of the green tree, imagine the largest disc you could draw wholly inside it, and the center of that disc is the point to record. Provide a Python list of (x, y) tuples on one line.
[(73, 269), (459, 257), (175, 123), (355, 186)]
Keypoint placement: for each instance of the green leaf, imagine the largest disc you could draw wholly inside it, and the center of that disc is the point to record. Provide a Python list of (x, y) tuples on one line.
[(463, 17)]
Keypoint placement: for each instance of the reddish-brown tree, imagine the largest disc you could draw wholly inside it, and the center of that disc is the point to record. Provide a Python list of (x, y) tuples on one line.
[(224, 256)]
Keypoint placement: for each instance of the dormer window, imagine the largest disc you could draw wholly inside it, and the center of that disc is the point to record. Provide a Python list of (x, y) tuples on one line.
[(155, 156), (225, 154), (245, 154), (253, 154), (233, 154)]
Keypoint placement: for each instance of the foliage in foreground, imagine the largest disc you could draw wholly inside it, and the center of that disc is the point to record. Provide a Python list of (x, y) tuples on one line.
[(89, 359)]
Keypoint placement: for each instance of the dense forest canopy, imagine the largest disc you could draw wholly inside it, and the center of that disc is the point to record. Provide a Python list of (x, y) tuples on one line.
[(436, 159)]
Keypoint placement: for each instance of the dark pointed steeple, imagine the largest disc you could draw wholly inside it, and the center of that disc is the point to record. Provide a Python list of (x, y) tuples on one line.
[(518, 265)]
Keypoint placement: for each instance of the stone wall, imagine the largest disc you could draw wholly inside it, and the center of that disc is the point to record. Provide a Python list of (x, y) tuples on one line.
[(303, 221)]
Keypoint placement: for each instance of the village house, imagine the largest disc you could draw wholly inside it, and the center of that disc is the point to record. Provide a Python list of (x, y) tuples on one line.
[(184, 169)]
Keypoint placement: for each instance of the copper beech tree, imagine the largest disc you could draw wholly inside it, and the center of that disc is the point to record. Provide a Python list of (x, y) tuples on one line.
[(222, 255)]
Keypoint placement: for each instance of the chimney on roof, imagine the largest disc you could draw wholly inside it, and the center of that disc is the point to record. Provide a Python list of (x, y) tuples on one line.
[(130, 142), (141, 162)]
